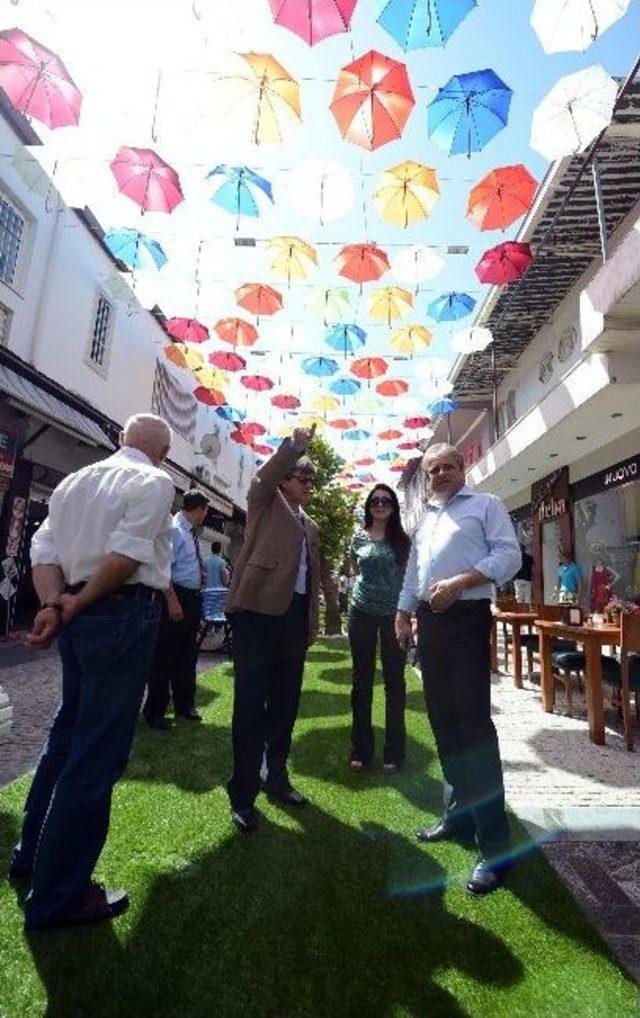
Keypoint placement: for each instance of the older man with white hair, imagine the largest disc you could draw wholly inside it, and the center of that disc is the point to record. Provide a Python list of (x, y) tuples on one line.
[(100, 563)]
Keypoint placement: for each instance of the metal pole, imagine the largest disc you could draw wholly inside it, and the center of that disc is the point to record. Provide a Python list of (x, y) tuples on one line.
[(602, 223), (494, 394)]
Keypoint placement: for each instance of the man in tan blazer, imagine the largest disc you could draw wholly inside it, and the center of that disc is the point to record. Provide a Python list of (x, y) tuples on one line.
[(273, 609)]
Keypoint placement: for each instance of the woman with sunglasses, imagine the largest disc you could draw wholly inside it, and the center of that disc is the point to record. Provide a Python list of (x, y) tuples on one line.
[(380, 553)]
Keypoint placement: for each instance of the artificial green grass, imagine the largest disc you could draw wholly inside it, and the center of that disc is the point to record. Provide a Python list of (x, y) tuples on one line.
[(334, 910)]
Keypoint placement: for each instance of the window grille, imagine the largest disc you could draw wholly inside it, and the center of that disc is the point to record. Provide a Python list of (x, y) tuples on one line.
[(11, 229), (100, 335)]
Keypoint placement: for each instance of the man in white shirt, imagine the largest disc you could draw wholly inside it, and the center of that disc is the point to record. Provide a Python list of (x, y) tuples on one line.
[(100, 563)]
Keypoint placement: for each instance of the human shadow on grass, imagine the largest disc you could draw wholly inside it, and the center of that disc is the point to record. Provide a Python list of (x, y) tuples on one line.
[(338, 676), (194, 757), (302, 923), (316, 704)]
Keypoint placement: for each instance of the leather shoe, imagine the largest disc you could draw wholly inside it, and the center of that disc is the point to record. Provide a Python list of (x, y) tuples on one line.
[(158, 723), (444, 830), (246, 820), (189, 715), (287, 794), (96, 904), (487, 877)]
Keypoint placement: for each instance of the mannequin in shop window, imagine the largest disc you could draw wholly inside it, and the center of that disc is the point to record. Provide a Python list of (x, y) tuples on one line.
[(569, 576), (601, 585)]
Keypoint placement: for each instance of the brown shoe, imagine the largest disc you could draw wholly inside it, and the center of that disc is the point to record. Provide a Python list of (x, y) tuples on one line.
[(96, 904)]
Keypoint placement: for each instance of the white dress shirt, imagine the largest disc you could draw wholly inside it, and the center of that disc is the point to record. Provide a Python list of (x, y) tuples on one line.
[(120, 504), (303, 565)]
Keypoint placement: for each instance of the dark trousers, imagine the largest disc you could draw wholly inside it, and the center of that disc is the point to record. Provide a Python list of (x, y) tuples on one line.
[(268, 662), (454, 655), (106, 655), (364, 631), (173, 675)]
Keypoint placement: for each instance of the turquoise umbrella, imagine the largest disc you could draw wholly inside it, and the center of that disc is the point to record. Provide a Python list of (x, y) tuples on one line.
[(135, 249), (319, 366), (238, 191), (415, 24)]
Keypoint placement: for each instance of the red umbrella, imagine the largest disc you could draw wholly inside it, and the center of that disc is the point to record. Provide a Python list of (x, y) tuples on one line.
[(398, 468), (343, 423), (313, 20), (187, 330), (259, 383), (362, 262), (259, 299), (504, 263), (263, 450), (227, 361), (368, 461), (209, 396), (236, 331), (407, 445), (369, 367), (389, 435), (416, 422), (145, 178), (252, 428), (36, 80), (242, 438), (285, 402), (501, 197), (372, 100), (392, 387)]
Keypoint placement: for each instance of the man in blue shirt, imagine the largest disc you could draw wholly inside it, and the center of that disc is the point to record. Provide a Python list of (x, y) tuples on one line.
[(216, 567), (174, 671), (464, 543)]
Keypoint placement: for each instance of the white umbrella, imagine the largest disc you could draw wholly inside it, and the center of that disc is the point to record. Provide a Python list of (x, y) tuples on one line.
[(472, 340), (563, 25), (416, 263), (573, 113), (321, 190)]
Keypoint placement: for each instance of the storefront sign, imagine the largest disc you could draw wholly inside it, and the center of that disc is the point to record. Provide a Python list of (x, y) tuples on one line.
[(622, 473), (552, 508), (8, 444), (550, 495)]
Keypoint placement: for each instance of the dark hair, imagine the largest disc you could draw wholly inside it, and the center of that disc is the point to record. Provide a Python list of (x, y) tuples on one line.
[(215, 547), (394, 531), (305, 466), (193, 500)]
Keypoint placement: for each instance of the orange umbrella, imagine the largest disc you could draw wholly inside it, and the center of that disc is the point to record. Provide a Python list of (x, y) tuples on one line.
[(259, 299), (390, 434), (362, 262), (236, 331), (501, 197), (372, 100), (183, 356), (369, 367), (392, 387), (266, 93), (343, 423), (212, 397)]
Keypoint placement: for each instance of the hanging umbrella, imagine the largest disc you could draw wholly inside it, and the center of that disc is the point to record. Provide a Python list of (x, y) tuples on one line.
[(236, 331), (332, 304), (416, 423), (262, 450), (311, 420), (229, 413), (369, 367), (259, 299), (325, 402), (504, 263), (342, 423), (210, 397), (313, 20), (266, 94), (321, 190), (471, 340), (257, 383), (416, 263), (362, 262), (563, 25), (36, 81), (345, 386), (469, 111), (238, 193), (399, 468), (387, 457), (439, 407), (188, 330), (367, 461), (253, 428), (415, 24), (390, 303), (319, 366), (135, 249), (285, 402), (406, 193), (410, 340), (227, 361), (392, 387), (573, 113), (212, 378), (183, 356), (407, 445), (449, 307), (368, 403), (346, 338), (292, 258), (242, 438), (357, 434), (501, 197), (145, 178), (389, 435), (372, 100)]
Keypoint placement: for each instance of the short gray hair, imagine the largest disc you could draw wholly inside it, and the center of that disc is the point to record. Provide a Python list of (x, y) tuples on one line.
[(147, 432), (443, 449)]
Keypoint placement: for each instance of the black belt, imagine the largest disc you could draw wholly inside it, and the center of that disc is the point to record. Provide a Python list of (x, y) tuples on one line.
[(460, 607), (130, 590)]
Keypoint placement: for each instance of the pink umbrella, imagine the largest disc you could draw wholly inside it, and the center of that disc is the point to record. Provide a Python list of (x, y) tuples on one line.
[(504, 263), (145, 178), (36, 80), (313, 20), (187, 330)]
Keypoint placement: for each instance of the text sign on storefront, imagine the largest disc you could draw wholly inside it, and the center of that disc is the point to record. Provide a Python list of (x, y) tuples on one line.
[(622, 473), (552, 508), (8, 443)]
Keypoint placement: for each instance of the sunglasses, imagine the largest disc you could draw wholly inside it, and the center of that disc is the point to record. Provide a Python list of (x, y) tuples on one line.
[(303, 479), (380, 502)]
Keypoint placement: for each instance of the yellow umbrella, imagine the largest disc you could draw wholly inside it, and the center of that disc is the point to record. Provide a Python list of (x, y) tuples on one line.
[(410, 340), (326, 403), (271, 95), (406, 193), (390, 303), (307, 420), (183, 356), (212, 378), (292, 258)]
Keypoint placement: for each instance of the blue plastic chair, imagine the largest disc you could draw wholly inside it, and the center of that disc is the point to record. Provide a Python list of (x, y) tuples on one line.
[(214, 600)]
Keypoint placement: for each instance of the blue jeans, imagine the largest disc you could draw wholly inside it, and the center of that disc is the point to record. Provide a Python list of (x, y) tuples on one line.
[(106, 656)]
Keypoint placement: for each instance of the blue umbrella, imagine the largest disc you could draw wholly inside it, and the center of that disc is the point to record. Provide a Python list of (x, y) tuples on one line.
[(387, 456), (274, 441), (442, 406), (237, 191), (319, 366), (229, 413), (468, 111), (357, 434), (135, 249), (345, 386), (418, 23), (449, 307), (346, 338)]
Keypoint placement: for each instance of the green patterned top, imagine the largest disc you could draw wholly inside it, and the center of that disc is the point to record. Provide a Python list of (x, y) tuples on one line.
[(377, 587)]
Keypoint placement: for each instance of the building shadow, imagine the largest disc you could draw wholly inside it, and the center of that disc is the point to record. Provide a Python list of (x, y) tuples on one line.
[(572, 751), (316, 704)]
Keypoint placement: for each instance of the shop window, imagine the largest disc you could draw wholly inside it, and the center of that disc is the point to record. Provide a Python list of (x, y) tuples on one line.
[(101, 334), (510, 408), (6, 315), (11, 232), (607, 541)]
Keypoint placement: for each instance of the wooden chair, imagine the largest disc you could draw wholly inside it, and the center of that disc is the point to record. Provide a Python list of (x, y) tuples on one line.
[(531, 641), (626, 676)]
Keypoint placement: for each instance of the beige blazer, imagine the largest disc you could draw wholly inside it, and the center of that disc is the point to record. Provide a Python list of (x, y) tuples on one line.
[(265, 572)]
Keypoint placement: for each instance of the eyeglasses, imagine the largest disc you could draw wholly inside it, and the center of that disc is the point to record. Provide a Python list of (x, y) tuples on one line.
[(303, 479), (380, 502), (442, 468)]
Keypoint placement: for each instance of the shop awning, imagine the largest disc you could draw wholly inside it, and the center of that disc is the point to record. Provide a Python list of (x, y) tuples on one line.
[(50, 409)]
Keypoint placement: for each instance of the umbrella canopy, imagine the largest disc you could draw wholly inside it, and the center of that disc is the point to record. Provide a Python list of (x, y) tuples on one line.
[(504, 263), (415, 423), (392, 387), (292, 258), (362, 262), (319, 366), (416, 263), (183, 356), (135, 249), (285, 402), (357, 434), (372, 100), (229, 413), (212, 378), (410, 340), (236, 331), (366, 461), (343, 423), (267, 94), (415, 24), (345, 386), (501, 197), (145, 178), (188, 330), (390, 303), (262, 449), (325, 402), (227, 361), (442, 406), (257, 383), (389, 435), (406, 193), (387, 457), (36, 80), (563, 25), (469, 111), (253, 428), (210, 397), (313, 20), (573, 113), (369, 367), (407, 445), (449, 307), (242, 437), (332, 304), (471, 340), (346, 338), (239, 189), (399, 467), (259, 299), (321, 190)]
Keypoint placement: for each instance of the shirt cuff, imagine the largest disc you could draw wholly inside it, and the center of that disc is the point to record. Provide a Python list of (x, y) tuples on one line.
[(140, 549), (407, 603)]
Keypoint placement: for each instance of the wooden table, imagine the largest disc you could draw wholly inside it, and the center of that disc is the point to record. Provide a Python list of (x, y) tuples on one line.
[(593, 640), (516, 620)]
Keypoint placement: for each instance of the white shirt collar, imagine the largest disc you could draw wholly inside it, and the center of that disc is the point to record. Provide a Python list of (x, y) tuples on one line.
[(129, 452)]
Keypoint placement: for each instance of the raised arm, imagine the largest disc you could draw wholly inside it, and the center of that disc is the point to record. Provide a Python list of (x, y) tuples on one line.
[(265, 483)]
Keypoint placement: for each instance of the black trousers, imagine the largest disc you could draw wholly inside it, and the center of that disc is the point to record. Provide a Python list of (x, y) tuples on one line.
[(173, 675), (455, 659), (268, 662), (364, 631)]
